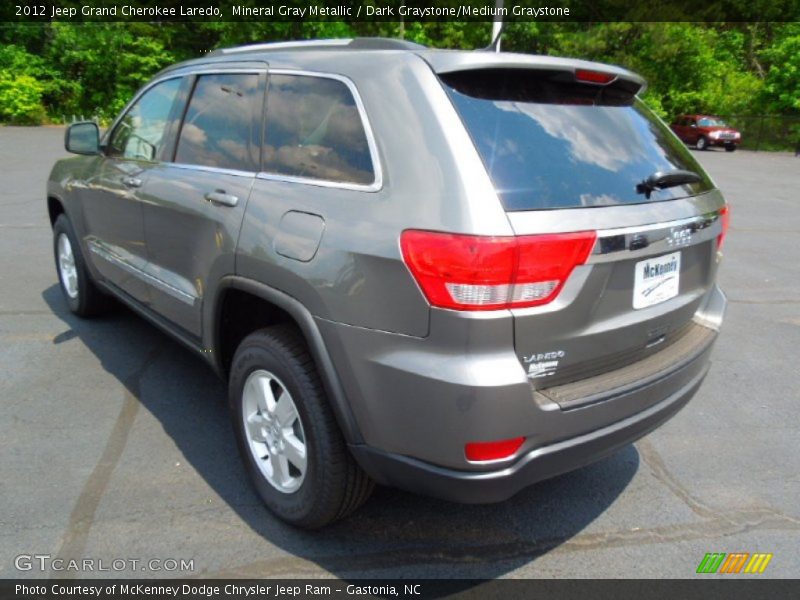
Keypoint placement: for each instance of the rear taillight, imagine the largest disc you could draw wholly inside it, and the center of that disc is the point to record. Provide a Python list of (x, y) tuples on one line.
[(469, 272), (725, 216), (481, 451)]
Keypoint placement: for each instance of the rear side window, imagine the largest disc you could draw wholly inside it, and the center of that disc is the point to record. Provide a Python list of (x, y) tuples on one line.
[(549, 142), (314, 130), (222, 123)]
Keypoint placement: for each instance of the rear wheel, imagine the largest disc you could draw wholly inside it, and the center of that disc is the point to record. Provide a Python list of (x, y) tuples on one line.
[(730, 147), (82, 295), (287, 434), (702, 143)]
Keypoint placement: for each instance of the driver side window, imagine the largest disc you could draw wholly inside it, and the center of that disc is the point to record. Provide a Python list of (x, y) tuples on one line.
[(140, 134)]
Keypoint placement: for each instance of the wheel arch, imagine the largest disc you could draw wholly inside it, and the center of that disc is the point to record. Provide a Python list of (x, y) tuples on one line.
[(55, 207), (285, 308)]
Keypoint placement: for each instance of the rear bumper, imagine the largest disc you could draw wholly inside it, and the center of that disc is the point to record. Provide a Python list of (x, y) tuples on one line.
[(418, 401), (539, 464)]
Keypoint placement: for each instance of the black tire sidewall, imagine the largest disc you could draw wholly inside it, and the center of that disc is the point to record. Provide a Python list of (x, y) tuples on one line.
[(297, 507)]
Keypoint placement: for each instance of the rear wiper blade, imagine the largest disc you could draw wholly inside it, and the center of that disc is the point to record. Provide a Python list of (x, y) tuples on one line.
[(664, 179)]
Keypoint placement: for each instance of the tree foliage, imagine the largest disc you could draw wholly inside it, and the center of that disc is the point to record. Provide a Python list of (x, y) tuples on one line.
[(781, 93), (20, 99), (92, 69)]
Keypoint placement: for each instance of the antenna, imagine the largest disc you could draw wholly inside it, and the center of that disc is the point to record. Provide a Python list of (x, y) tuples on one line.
[(497, 26)]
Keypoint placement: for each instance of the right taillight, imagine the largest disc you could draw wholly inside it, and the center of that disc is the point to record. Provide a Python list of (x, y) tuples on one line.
[(725, 216), (472, 272)]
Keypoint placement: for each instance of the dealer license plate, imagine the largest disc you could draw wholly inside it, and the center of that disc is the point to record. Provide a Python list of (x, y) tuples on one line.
[(656, 280)]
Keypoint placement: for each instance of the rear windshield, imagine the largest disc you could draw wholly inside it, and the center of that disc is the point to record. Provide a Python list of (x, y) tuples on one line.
[(549, 142)]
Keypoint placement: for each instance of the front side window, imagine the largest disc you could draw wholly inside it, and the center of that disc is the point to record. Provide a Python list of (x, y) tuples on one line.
[(314, 130), (222, 123), (140, 134)]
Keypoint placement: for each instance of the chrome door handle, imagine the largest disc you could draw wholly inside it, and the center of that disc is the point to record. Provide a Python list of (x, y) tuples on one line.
[(221, 198), (132, 182)]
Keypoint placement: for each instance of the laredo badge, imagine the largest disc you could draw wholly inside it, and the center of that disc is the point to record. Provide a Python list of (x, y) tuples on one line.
[(543, 364)]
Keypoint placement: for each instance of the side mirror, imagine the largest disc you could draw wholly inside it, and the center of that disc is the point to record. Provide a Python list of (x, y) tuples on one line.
[(693, 125), (82, 138)]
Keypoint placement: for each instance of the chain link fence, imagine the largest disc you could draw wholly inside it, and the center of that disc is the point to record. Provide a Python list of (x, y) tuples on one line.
[(767, 132)]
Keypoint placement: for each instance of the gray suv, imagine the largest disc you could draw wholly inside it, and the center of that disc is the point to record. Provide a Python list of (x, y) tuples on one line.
[(452, 272)]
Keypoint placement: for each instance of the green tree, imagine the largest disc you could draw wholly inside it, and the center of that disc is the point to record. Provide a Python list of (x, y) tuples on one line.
[(105, 64), (24, 83), (726, 68), (20, 99), (782, 83)]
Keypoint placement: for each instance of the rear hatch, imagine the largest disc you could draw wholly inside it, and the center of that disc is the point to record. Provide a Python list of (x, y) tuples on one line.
[(574, 150)]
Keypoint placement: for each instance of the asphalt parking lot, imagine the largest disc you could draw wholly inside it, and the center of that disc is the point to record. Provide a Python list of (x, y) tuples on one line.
[(115, 441)]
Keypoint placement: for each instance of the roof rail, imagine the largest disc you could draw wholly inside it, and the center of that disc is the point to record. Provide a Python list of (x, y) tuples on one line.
[(365, 43)]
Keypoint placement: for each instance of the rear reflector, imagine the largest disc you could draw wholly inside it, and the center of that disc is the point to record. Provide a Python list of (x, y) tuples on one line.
[(480, 451), (598, 77), (725, 216), (468, 272)]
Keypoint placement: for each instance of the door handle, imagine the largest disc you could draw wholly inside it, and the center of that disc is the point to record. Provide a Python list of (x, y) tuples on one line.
[(221, 198), (132, 182)]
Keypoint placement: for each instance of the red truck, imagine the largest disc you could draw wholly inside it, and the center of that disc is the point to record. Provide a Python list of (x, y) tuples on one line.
[(705, 130)]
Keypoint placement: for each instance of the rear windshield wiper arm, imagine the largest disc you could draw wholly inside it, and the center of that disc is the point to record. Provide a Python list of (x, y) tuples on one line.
[(664, 179)]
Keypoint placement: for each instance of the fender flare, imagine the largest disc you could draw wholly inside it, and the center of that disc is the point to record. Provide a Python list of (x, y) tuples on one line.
[(316, 344)]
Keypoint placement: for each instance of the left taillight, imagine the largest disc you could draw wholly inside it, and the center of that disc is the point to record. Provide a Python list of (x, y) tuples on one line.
[(468, 272), (725, 216)]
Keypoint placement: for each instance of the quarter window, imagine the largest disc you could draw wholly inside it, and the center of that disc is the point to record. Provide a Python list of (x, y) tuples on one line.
[(222, 123), (314, 130), (140, 134)]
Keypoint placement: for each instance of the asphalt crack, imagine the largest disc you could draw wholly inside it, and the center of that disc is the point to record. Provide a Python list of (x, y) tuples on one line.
[(658, 468), (523, 552), (83, 513), (714, 523)]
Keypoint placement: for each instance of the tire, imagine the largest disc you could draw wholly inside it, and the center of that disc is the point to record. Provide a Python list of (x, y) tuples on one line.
[(330, 485), (702, 143), (730, 148), (81, 294)]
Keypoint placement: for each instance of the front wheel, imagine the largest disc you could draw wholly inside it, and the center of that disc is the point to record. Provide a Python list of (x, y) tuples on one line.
[(702, 143), (730, 147), (82, 295), (287, 434)]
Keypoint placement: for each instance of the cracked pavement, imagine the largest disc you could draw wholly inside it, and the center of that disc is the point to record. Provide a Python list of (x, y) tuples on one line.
[(115, 441)]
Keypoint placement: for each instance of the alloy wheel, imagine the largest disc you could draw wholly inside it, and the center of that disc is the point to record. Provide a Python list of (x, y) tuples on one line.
[(66, 266), (274, 431)]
